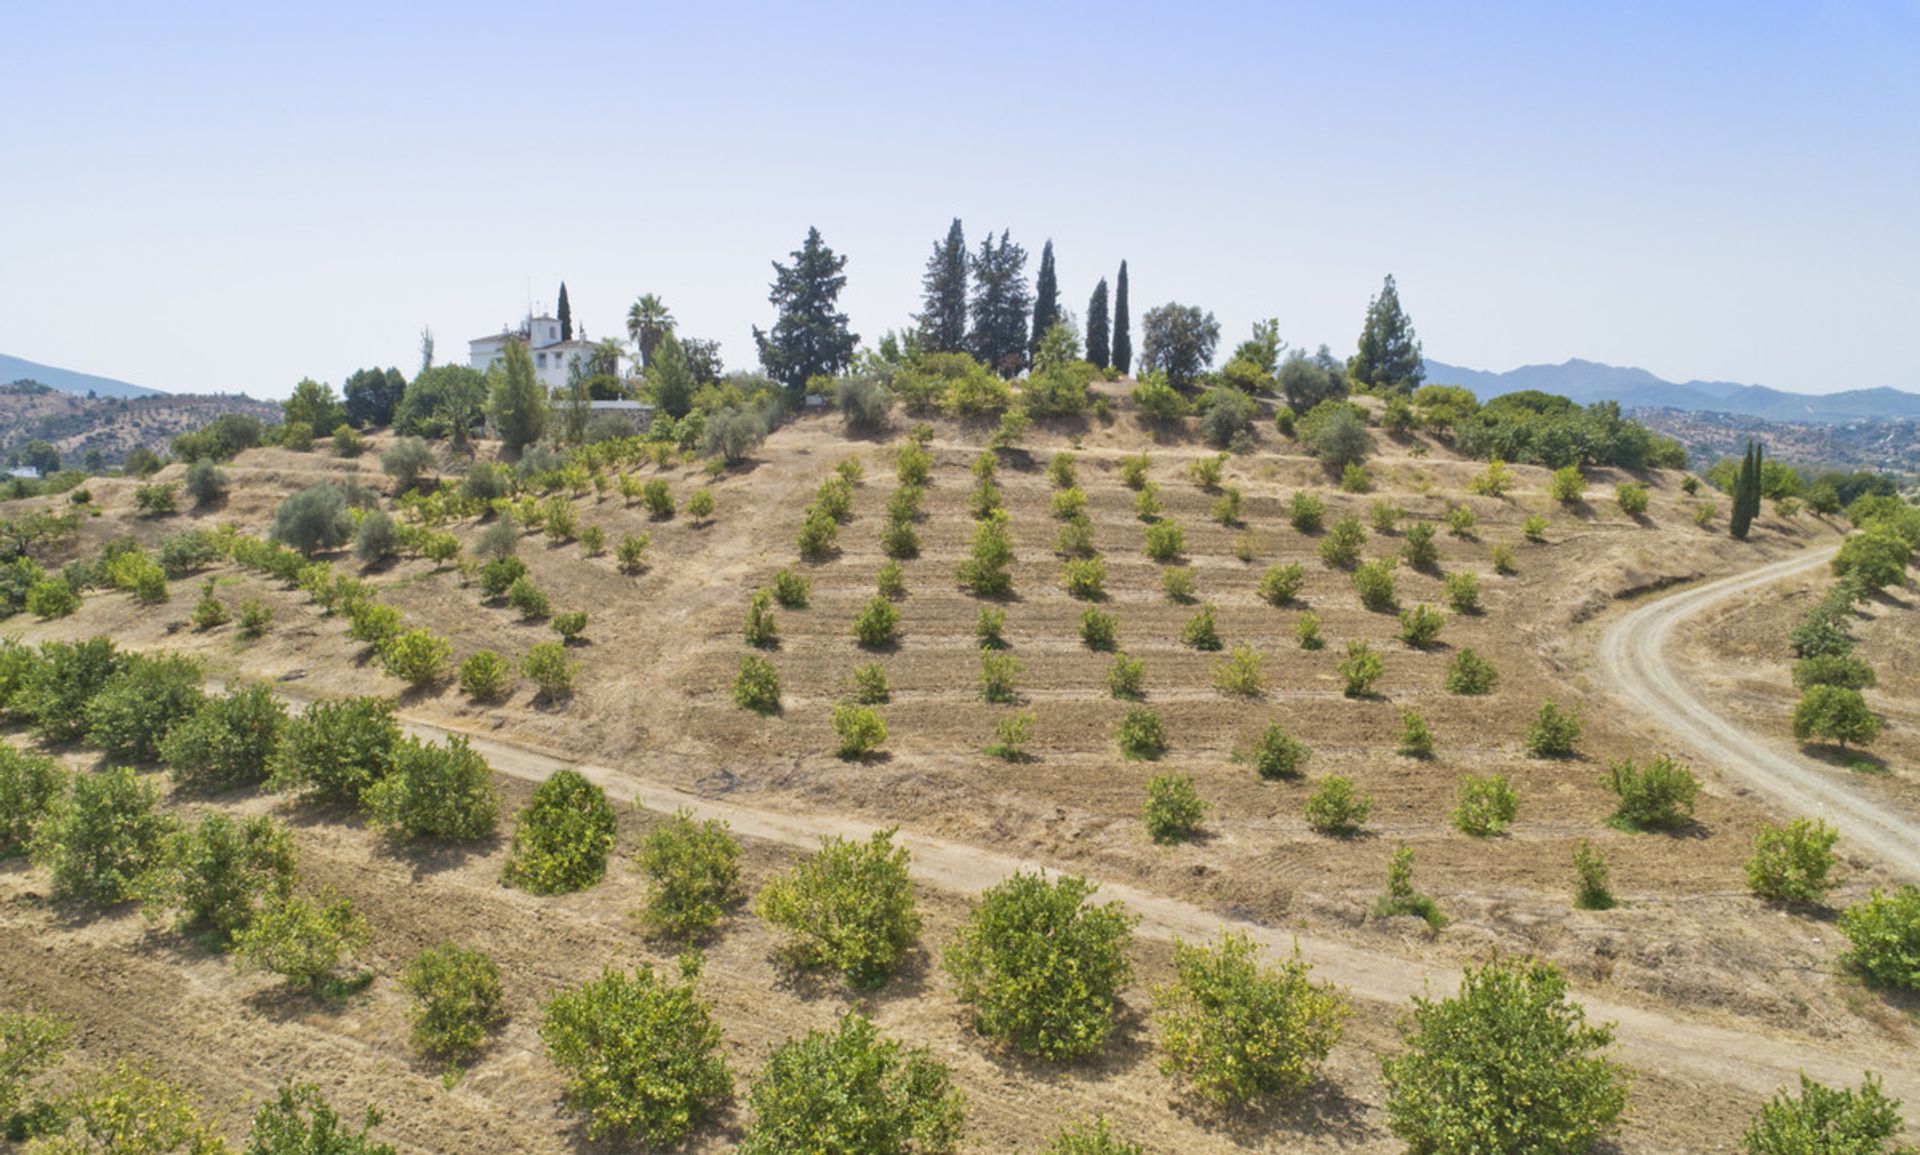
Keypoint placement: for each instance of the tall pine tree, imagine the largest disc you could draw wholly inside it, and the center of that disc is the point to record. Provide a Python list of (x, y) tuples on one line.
[(943, 323), (1122, 336), (1000, 305), (810, 337), (1389, 357), (1746, 493), (1046, 299), (566, 314), (1099, 336)]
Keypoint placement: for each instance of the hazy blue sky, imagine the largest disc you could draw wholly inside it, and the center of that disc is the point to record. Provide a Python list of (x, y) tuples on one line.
[(232, 196)]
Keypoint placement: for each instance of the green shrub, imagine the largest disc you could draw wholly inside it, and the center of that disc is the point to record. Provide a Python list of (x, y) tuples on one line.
[(1133, 470), (313, 520), (1632, 498), (54, 690), (1469, 673), (548, 667), (1141, 735), (694, 871), (417, 657), (156, 498), (1510, 1026), (899, 541), (374, 623), (1566, 485), (1656, 797), (1069, 504), (1401, 898), (1354, 478), (1306, 512), (1239, 1032), (870, 686), (1177, 583), (128, 1110), (1040, 967), (1307, 629), (1361, 670), (700, 504), (790, 588), (300, 1121), (1086, 578), (1416, 740), (641, 1055), (1201, 632), (1420, 626), (1790, 863), (913, 464), (52, 598), (209, 612), (849, 908), (1336, 808), (985, 573), (1485, 805), (228, 741), (134, 710), (1165, 540), (1281, 583), (1836, 714), (500, 575), (441, 792), (1174, 808), (1844, 671), (1060, 470), (302, 940), (1820, 1120), (1076, 539), (1591, 891), (1010, 736), (254, 618), (850, 1090), (819, 534), (631, 553), (1534, 528), (761, 630), (1502, 557), (30, 785), (891, 581), (30, 1046), (1885, 932), (562, 839), (1373, 581), (1275, 754), (859, 729), (1341, 547), (1462, 590), (1460, 521), (485, 676), (877, 623), (528, 598), (336, 749), (219, 875), (377, 539), (657, 498), (1554, 733), (99, 840), (989, 629), (1127, 677), (1241, 674), (1099, 630)]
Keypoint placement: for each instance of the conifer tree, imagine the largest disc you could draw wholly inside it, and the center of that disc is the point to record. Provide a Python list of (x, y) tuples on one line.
[(1000, 305), (943, 324), (1099, 336), (1046, 299), (566, 314), (810, 337), (1746, 493), (516, 400), (1388, 358), (1122, 336)]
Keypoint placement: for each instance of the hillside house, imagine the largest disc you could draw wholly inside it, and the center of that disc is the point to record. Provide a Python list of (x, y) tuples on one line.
[(552, 356)]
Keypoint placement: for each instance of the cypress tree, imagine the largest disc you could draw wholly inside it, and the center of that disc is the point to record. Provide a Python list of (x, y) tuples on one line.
[(1099, 342), (1046, 299), (1122, 337), (566, 314), (516, 401), (943, 324), (1388, 358), (1739, 521)]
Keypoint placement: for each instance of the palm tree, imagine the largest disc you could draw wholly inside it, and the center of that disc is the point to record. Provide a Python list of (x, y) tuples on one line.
[(648, 321)]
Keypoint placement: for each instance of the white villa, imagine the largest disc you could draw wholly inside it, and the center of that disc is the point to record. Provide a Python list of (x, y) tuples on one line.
[(551, 355)]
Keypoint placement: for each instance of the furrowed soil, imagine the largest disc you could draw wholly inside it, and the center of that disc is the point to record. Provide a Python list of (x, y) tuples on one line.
[(653, 708)]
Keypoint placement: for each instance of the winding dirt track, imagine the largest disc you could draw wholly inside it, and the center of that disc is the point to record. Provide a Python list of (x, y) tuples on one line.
[(1632, 659)]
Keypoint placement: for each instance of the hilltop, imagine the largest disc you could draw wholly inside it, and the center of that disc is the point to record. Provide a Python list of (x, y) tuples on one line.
[(1590, 381), (68, 380), (79, 425)]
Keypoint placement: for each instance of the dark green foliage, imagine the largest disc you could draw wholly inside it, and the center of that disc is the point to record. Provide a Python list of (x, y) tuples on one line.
[(1746, 493), (516, 400), (998, 334), (500, 575), (456, 1000), (130, 715), (1844, 671), (1658, 796), (30, 784), (1238, 1032), (1141, 735), (1836, 714), (694, 868), (1361, 669), (562, 839), (442, 792), (1046, 299), (30, 1046), (1122, 325), (1276, 754), (206, 483), (1335, 808), (1174, 808), (336, 749), (1511, 1026), (1885, 932), (757, 686), (641, 1055), (300, 1121), (1469, 673), (1790, 863), (1040, 967), (1178, 340), (1823, 1121), (373, 395), (1201, 631), (810, 336), (986, 571), (851, 1092), (1485, 805), (1388, 358), (1099, 327), (877, 623), (849, 908), (218, 875), (103, 837), (1591, 891), (1307, 381), (943, 317), (53, 690), (1336, 433), (314, 519), (1554, 733)]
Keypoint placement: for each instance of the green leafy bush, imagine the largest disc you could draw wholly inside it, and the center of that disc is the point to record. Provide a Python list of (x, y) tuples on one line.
[(304, 941), (1591, 891), (1165, 540), (1307, 628), (1281, 583), (1554, 733), (128, 1110), (1484, 805), (757, 686), (1361, 670), (1241, 674), (219, 875), (417, 657), (1040, 967), (1823, 1121), (336, 749), (1534, 528), (1202, 631), (1093, 1137), (1306, 512), (1099, 630), (1844, 671), (100, 839), (528, 598), (1127, 677), (1566, 485), (30, 1046), (1462, 590), (300, 1121), (1010, 736), (1341, 547), (1275, 754), (1177, 583), (1460, 521), (313, 520), (891, 581), (999, 676), (985, 573), (133, 711), (434, 791), (1142, 735), (870, 687), (52, 598), (1174, 808), (1632, 498), (1469, 673), (548, 668), (1373, 581), (849, 907), (694, 871), (860, 730), (631, 553), (657, 498), (1420, 626), (876, 624), (1658, 796), (1510, 1026), (641, 1055), (1885, 932), (1836, 714), (850, 1090), (30, 784), (485, 676), (500, 575), (457, 1000), (562, 839), (791, 588), (1336, 808), (1790, 863), (569, 626), (1238, 1032), (1416, 740), (1086, 578), (54, 690)]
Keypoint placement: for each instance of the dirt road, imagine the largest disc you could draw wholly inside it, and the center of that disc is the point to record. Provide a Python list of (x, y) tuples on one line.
[(1690, 1051), (1632, 660)]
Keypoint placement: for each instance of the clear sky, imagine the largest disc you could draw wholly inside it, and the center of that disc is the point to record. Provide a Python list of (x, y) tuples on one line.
[(233, 196)]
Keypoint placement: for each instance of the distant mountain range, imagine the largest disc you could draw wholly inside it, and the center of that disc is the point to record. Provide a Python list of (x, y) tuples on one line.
[(1590, 381), (67, 381)]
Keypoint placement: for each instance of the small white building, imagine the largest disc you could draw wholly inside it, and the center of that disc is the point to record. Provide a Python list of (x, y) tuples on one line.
[(552, 357)]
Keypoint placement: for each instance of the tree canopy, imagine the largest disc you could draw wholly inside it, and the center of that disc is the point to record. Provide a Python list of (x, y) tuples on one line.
[(1122, 326), (1046, 299), (943, 319), (1000, 306), (1389, 357), (1178, 340), (516, 401), (1099, 332), (810, 336)]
